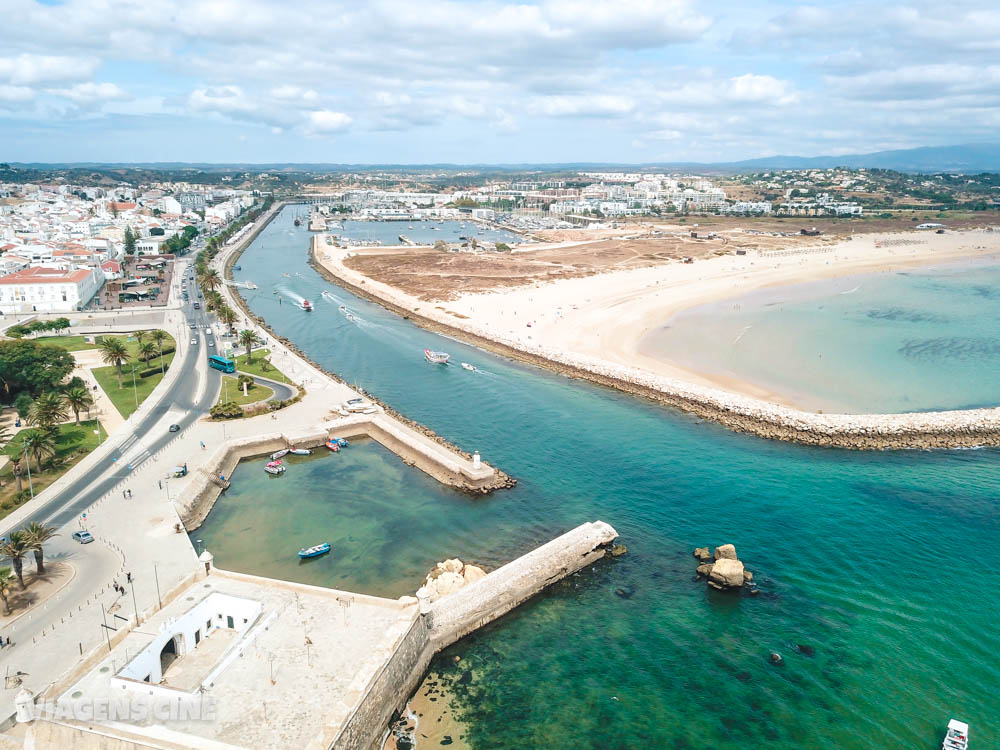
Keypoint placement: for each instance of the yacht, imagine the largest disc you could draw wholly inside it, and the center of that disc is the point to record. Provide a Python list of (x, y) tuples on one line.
[(438, 358)]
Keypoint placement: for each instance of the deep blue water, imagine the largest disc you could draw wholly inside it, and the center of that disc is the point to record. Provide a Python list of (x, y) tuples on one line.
[(883, 563)]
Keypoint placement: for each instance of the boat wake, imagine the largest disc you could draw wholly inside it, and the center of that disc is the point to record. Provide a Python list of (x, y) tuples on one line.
[(851, 291), (742, 333)]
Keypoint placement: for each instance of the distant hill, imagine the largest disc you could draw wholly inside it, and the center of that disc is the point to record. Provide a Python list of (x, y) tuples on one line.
[(972, 157)]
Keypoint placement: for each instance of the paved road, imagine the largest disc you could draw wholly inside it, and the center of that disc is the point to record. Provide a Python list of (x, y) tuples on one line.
[(68, 504)]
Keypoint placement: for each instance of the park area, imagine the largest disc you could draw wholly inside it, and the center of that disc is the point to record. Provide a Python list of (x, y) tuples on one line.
[(139, 377), (260, 366)]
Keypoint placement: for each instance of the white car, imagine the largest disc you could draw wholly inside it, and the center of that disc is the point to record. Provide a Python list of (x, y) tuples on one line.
[(194, 342)]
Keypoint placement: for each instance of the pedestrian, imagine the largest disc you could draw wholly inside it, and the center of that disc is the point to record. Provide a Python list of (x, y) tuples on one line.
[(128, 576), (130, 494), (124, 494), (202, 444), (1, 641)]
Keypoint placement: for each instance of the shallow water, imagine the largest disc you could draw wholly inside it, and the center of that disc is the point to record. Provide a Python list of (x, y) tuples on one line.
[(423, 232), (919, 340), (881, 562)]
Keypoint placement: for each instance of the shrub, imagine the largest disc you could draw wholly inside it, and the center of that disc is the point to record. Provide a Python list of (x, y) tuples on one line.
[(228, 410), (22, 404), (150, 372)]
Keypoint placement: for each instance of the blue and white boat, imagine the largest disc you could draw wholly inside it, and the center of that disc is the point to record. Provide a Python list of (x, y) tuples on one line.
[(319, 549)]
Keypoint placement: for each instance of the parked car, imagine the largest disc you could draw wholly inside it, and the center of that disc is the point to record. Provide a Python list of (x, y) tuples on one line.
[(175, 428), (83, 537)]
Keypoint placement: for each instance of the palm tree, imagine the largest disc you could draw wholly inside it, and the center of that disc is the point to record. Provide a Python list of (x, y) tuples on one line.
[(114, 352), (248, 338), (159, 337), (48, 410), (35, 536), (227, 316), (78, 398), (15, 467), (139, 336), (5, 575), (15, 548), (38, 443), (210, 279), (214, 300), (146, 351)]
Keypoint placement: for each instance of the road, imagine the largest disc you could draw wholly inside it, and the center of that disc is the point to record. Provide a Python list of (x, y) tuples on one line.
[(179, 395)]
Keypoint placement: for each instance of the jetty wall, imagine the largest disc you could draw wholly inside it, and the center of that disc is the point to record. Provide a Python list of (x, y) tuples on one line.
[(968, 428), (196, 501), (455, 615)]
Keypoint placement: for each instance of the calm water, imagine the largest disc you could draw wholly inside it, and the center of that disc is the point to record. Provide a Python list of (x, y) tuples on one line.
[(423, 232), (912, 341), (882, 563)]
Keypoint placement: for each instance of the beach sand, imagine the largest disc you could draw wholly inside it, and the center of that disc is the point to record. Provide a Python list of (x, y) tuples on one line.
[(604, 317)]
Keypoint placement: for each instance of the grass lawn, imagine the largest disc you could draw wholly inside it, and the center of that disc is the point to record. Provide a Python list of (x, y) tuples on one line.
[(273, 373), (75, 441), (124, 398), (235, 393), (69, 343)]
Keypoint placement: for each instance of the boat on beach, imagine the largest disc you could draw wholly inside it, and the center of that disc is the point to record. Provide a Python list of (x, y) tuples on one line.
[(314, 551), (957, 737), (438, 358)]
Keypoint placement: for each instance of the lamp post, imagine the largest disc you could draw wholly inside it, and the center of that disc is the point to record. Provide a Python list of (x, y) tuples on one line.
[(135, 389)]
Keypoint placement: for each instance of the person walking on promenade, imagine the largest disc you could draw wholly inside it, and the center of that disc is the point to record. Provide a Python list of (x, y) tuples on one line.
[(203, 445)]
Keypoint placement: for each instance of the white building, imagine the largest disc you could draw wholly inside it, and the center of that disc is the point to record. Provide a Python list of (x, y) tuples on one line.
[(38, 289)]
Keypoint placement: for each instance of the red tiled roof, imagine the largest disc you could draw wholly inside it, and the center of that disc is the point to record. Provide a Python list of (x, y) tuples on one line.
[(39, 275)]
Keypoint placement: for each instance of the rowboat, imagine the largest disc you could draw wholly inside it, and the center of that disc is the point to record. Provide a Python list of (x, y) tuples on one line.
[(341, 442), (332, 446), (279, 454), (300, 451), (275, 468), (315, 551)]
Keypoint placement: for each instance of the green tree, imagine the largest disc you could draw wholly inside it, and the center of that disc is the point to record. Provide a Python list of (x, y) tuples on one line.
[(48, 410), (14, 549), (210, 279), (78, 399), (159, 337), (114, 352), (248, 338), (129, 241), (35, 536), (227, 316), (23, 404), (146, 351), (27, 366), (6, 574), (38, 443)]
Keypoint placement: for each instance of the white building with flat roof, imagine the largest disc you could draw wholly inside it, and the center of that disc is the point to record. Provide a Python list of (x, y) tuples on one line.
[(38, 289)]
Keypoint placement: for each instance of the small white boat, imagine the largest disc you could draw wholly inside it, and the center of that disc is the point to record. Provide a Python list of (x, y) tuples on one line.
[(300, 451), (342, 308), (343, 412), (327, 295), (369, 410), (438, 358), (350, 316), (467, 366), (957, 737), (279, 454), (275, 469)]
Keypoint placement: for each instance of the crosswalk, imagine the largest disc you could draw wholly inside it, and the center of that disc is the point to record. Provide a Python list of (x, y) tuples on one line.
[(138, 456)]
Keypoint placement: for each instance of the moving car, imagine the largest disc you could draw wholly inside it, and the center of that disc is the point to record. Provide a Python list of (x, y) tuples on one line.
[(194, 342), (175, 428), (83, 537)]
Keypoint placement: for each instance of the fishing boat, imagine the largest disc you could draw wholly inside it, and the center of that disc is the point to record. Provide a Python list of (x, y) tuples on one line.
[(279, 454), (335, 447), (315, 551), (307, 305), (438, 358), (300, 451), (467, 366), (957, 737)]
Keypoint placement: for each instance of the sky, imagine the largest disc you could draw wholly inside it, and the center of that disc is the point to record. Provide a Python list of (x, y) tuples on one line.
[(486, 81)]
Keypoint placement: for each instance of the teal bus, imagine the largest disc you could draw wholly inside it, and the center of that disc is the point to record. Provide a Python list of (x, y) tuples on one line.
[(221, 363)]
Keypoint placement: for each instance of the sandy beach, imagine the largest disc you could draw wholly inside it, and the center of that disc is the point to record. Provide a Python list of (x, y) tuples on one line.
[(596, 323)]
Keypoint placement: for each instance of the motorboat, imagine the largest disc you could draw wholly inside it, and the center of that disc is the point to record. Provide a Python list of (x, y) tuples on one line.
[(333, 445), (300, 451), (327, 295), (438, 358), (343, 308), (350, 316), (274, 468), (237, 268), (369, 410), (342, 442), (279, 454), (343, 412), (307, 305), (467, 366), (314, 551), (957, 737)]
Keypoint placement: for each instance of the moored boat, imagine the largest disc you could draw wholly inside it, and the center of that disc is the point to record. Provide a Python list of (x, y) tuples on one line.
[(315, 551), (300, 451), (957, 737), (438, 358), (279, 454), (341, 442), (275, 468), (335, 447)]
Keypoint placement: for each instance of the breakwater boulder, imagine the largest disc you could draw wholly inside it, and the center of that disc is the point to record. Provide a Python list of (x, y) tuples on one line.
[(449, 576), (722, 569)]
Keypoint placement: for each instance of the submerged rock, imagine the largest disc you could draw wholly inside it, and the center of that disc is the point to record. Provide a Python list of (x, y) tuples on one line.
[(805, 650), (617, 550)]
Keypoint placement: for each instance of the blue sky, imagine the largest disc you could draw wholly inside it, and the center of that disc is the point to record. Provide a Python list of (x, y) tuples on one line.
[(405, 81)]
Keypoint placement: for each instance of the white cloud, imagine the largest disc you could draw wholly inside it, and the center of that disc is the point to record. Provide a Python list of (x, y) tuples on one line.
[(31, 69), (325, 121), (93, 93), (597, 105), (15, 93)]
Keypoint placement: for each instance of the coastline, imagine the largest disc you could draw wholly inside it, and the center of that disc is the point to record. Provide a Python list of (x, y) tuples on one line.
[(738, 411)]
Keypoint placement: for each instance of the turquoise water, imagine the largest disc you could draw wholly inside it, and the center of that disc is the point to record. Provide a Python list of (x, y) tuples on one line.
[(920, 340), (883, 563)]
